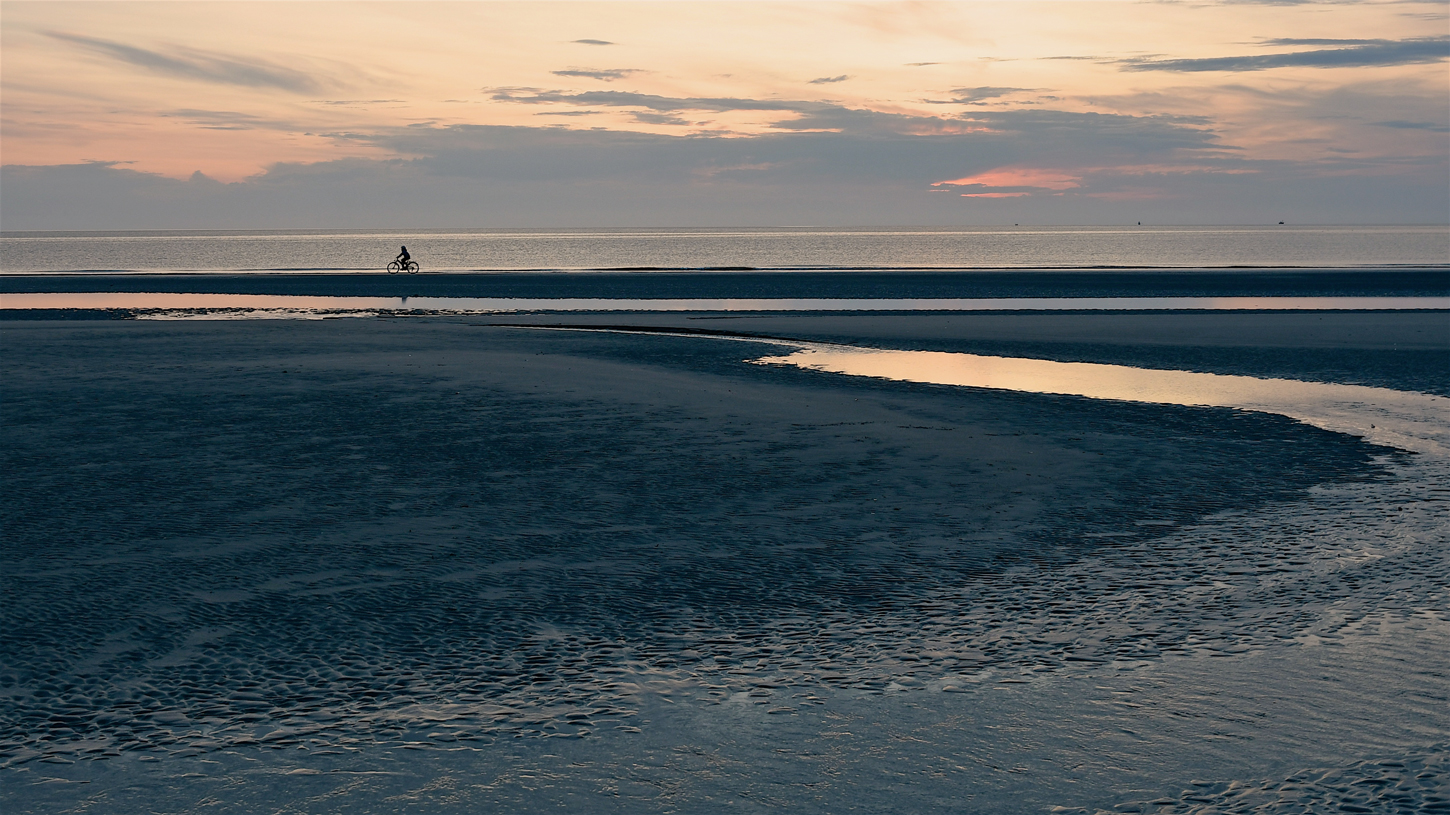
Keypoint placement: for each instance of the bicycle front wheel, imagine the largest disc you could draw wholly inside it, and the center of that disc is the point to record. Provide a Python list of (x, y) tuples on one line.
[(394, 267)]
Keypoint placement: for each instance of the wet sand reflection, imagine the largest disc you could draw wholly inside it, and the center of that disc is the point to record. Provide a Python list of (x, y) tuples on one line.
[(1410, 421)]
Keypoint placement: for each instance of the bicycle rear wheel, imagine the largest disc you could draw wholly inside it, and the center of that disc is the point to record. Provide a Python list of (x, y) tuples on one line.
[(412, 267), (394, 267)]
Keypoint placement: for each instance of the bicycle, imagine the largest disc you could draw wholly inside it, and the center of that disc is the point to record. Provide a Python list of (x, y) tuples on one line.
[(411, 267)]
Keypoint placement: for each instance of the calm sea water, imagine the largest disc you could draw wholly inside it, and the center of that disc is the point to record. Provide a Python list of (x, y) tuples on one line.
[(780, 248)]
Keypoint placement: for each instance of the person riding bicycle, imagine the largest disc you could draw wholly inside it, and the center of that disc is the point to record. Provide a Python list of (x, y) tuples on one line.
[(403, 257)]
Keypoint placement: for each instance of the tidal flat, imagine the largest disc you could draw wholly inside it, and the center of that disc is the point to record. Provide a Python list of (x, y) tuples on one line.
[(467, 564)]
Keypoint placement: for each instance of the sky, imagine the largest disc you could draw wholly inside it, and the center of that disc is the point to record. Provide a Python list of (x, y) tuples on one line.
[(262, 115)]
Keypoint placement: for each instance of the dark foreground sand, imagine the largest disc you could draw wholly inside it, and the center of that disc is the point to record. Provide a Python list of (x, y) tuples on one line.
[(426, 564)]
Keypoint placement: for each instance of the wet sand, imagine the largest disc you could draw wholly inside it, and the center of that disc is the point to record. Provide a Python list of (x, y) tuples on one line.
[(1402, 350), (387, 563), (761, 283)]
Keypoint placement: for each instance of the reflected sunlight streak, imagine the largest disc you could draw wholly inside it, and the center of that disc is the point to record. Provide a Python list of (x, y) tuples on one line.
[(1409, 421)]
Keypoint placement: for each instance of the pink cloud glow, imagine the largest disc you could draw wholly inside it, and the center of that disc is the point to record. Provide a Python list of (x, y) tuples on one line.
[(1018, 177)]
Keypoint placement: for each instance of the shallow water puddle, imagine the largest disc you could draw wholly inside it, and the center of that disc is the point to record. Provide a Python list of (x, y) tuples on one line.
[(299, 307), (1410, 421)]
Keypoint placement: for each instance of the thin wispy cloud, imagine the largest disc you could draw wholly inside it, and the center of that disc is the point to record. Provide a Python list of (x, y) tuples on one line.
[(809, 115), (1320, 41), (188, 63), (828, 80), (651, 118), (592, 42), (1013, 182), (971, 95), (1263, 2), (1181, 131), (1400, 124), (601, 74), (1379, 53), (229, 120), (665, 104)]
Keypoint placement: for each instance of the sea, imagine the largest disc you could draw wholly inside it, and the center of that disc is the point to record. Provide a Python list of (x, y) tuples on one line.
[(783, 248), (313, 272)]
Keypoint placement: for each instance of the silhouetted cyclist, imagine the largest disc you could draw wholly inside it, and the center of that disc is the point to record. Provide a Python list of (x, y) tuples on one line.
[(403, 256)]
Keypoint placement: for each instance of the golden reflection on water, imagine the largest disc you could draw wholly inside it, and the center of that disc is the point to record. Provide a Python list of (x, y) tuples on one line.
[(1410, 421)]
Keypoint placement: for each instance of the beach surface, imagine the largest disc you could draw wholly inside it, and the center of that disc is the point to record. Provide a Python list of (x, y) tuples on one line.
[(497, 563)]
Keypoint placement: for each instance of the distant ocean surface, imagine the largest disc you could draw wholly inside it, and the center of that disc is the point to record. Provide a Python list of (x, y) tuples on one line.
[(786, 248)]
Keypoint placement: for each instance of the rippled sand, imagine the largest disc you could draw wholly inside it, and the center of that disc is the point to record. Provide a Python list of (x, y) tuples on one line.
[(373, 565)]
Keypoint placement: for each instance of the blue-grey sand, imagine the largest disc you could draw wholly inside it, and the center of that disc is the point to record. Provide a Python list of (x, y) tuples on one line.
[(643, 562)]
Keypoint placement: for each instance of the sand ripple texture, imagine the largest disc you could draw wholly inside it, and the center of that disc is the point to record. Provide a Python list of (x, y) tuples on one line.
[(1409, 784), (430, 536)]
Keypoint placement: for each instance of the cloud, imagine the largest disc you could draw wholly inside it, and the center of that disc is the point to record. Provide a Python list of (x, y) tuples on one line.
[(475, 175), (827, 80), (1063, 131), (1135, 132), (821, 163), (630, 99), (229, 120), (188, 63), (713, 172), (1014, 181), (1320, 41), (809, 115), (1400, 124), (861, 147), (1376, 53), (1274, 2), (592, 42), (651, 118), (921, 64), (984, 92), (977, 96), (603, 75)]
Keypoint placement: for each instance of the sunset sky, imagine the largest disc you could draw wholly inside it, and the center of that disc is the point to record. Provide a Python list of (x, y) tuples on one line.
[(333, 114)]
